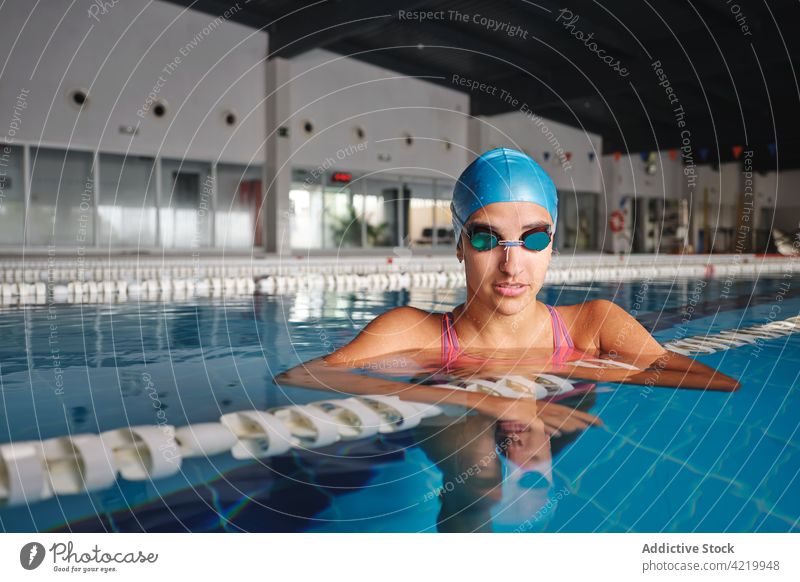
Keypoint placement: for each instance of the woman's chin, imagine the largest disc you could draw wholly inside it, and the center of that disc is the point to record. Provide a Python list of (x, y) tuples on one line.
[(511, 305)]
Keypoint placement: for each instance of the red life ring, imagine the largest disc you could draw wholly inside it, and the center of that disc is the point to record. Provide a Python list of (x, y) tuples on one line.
[(616, 222)]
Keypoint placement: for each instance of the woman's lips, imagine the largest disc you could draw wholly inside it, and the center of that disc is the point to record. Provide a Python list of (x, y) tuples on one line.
[(510, 289)]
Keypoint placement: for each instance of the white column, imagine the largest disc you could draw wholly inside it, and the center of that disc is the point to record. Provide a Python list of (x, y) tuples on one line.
[(159, 226), (26, 181), (475, 144), (278, 166), (212, 211), (96, 198)]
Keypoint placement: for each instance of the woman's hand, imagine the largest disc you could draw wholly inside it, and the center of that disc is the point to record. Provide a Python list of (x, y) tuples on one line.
[(520, 414), (559, 419)]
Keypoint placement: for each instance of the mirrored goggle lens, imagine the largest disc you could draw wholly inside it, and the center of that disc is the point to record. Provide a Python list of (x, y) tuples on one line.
[(536, 241), (483, 241)]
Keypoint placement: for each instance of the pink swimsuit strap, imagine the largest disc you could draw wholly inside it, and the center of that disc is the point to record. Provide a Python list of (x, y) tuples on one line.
[(561, 337), (450, 347), (562, 342)]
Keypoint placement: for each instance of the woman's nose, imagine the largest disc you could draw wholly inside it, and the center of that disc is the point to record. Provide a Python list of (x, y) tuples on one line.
[(511, 259)]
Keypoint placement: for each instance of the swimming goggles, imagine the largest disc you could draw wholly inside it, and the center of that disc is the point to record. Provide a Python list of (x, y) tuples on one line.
[(536, 239)]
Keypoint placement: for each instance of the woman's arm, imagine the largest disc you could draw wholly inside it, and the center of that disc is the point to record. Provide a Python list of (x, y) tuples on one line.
[(399, 330), (619, 334), (320, 375), (668, 370), (671, 369)]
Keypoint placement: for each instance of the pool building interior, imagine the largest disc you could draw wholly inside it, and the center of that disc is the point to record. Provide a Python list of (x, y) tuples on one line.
[(199, 195)]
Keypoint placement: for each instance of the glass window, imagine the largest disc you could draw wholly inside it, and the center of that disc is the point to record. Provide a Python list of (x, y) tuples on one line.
[(577, 221), (443, 217), (382, 211), (420, 216), (61, 210), (12, 195), (342, 218), (127, 209), (359, 200), (237, 217), (187, 191), (305, 218)]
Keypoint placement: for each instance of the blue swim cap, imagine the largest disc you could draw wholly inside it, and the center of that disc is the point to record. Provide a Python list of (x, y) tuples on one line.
[(501, 175)]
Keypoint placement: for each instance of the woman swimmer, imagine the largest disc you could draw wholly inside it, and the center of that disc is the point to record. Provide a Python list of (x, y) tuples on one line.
[(504, 212)]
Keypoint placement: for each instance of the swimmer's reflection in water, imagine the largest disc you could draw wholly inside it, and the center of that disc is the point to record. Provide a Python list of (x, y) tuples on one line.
[(495, 452), (498, 474)]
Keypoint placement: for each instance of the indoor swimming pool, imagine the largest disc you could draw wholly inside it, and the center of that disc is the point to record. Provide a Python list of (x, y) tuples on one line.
[(664, 459)]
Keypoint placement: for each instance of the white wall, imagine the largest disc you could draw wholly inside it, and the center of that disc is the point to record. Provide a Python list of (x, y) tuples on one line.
[(518, 130), (776, 203), (337, 94), (781, 193), (55, 47), (627, 176), (724, 187)]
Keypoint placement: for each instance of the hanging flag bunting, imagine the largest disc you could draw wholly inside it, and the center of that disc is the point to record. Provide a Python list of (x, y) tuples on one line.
[(617, 156), (673, 154), (773, 149), (644, 156), (546, 156), (703, 153), (568, 155), (737, 151), (591, 156)]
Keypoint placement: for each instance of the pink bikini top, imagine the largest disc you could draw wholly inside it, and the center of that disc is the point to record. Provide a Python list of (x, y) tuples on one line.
[(563, 345)]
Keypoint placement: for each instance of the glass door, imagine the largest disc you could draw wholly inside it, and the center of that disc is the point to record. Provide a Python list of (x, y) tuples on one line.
[(577, 221)]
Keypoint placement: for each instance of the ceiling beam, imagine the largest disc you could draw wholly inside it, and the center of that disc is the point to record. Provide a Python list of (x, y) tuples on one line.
[(390, 58), (328, 23)]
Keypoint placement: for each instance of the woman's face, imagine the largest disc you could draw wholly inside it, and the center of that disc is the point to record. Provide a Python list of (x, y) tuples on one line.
[(506, 279)]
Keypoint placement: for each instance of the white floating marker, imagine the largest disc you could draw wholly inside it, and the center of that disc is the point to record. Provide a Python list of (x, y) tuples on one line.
[(144, 452), (396, 414), (555, 385), (79, 463), (606, 363), (493, 388), (22, 477), (258, 434), (525, 385), (310, 426), (204, 439), (354, 418)]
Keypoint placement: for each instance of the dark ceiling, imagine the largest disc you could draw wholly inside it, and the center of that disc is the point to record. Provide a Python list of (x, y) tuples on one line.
[(730, 64)]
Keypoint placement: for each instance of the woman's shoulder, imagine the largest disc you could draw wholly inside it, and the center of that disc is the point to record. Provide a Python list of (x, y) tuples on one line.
[(402, 316), (397, 330), (602, 324), (404, 324), (587, 309), (584, 320)]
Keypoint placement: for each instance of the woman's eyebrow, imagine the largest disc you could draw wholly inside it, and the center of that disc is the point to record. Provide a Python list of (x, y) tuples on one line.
[(476, 225), (480, 225), (536, 224)]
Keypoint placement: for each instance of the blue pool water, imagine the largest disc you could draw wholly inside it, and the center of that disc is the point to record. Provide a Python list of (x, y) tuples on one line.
[(664, 459)]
